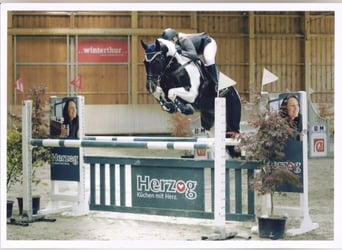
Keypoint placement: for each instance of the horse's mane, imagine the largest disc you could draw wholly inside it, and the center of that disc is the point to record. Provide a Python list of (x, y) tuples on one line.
[(172, 51), (169, 45)]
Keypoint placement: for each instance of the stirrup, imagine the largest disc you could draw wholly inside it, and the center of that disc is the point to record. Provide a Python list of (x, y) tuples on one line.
[(224, 91)]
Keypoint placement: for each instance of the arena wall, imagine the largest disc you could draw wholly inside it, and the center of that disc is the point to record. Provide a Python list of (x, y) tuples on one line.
[(296, 46)]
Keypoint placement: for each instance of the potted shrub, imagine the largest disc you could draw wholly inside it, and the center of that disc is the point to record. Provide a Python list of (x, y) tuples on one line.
[(40, 155), (266, 145), (14, 163)]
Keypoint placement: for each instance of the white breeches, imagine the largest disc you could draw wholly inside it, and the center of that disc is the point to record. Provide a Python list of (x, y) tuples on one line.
[(209, 52)]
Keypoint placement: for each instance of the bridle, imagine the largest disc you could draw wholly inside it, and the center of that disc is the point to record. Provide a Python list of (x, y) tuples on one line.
[(159, 58), (158, 65)]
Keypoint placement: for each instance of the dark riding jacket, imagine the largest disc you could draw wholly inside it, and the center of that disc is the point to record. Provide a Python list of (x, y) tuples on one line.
[(194, 44), (73, 127)]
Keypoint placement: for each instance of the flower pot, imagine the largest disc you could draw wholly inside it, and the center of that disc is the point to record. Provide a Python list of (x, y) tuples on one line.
[(272, 227), (35, 204), (9, 208)]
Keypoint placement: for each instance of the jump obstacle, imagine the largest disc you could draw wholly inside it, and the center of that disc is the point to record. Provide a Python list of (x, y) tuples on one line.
[(127, 173)]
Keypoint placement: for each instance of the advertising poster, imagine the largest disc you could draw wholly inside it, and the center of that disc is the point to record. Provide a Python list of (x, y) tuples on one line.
[(181, 188), (103, 51), (294, 149), (65, 161)]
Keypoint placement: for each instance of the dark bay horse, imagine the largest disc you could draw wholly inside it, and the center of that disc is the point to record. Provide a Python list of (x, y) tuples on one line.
[(167, 69)]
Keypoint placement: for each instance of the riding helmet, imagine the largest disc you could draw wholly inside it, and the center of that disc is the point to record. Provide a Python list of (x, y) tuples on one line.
[(169, 34)]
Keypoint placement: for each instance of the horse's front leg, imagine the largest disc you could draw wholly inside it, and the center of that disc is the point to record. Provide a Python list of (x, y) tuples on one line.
[(166, 105), (151, 85), (158, 93)]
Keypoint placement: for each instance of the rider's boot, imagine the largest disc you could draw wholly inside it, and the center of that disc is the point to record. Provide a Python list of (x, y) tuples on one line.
[(214, 73), (185, 108)]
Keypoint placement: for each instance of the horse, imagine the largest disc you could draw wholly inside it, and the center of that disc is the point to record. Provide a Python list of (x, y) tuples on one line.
[(166, 69)]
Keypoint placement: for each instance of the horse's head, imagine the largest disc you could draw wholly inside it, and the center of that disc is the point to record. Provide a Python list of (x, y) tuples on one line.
[(156, 61)]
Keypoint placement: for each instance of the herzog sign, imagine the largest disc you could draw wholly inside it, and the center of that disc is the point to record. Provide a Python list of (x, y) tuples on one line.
[(180, 188), (65, 164), (103, 51)]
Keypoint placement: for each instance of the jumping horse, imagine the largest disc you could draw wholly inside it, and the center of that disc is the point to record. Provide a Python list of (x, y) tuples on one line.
[(166, 68)]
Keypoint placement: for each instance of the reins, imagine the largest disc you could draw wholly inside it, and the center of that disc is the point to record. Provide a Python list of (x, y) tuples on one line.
[(168, 64)]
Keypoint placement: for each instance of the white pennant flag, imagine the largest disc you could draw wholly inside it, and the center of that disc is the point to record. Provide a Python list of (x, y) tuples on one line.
[(311, 91), (268, 77), (225, 81)]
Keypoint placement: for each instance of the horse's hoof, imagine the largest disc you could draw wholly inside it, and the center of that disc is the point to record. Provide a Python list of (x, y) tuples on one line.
[(185, 108), (169, 107), (188, 111)]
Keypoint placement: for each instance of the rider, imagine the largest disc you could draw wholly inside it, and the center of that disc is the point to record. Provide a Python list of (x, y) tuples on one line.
[(192, 46)]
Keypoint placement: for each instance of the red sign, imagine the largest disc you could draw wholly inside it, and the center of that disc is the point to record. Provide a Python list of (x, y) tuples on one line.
[(201, 153), (319, 145), (103, 51)]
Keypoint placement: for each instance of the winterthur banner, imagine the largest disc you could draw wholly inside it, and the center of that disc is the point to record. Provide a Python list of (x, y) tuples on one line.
[(103, 51)]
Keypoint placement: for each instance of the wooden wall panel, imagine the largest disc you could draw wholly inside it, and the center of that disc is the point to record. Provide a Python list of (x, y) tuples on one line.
[(322, 69), (103, 20), (41, 50), (321, 57), (54, 77), (279, 23), (40, 20), (103, 98), (164, 19), (278, 38), (230, 30), (105, 84), (227, 23), (232, 51), (232, 60), (322, 23), (283, 58)]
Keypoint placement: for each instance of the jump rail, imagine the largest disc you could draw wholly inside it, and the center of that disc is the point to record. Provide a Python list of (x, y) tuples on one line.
[(228, 141), (166, 143), (162, 145)]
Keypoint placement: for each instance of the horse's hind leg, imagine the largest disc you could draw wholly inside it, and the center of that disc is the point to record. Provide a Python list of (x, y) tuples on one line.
[(233, 118), (233, 111), (207, 119)]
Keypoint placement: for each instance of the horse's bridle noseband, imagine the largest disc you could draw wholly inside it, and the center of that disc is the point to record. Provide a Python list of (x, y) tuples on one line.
[(161, 61), (153, 80)]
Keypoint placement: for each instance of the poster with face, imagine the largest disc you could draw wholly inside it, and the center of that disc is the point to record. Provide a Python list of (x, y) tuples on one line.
[(63, 117), (65, 161), (288, 105)]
